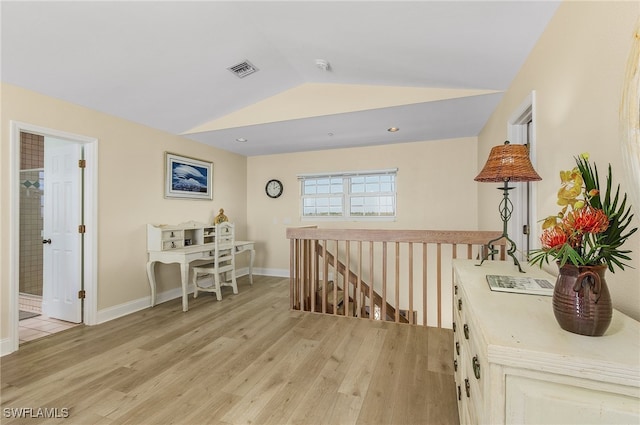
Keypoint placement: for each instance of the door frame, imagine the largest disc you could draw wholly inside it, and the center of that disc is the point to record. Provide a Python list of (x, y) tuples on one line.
[(517, 133), (90, 205)]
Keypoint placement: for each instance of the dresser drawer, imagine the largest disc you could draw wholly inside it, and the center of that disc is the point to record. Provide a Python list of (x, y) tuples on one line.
[(470, 359), (516, 365)]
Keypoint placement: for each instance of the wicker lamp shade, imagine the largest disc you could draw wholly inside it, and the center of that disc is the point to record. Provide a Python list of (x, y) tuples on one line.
[(508, 163)]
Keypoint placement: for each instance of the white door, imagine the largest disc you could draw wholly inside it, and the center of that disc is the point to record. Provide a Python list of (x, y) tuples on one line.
[(62, 242)]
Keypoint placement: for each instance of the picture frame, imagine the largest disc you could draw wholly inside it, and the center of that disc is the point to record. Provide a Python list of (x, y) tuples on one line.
[(187, 178)]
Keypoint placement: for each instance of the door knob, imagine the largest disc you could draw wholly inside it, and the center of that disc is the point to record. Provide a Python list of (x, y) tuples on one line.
[(46, 241)]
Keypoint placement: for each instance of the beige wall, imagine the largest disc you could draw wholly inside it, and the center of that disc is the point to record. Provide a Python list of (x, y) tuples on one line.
[(129, 152), (131, 172), (577, 71), (434, 183)]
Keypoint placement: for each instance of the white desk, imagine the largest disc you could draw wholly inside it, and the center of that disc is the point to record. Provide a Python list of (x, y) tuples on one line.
[(185, 256)]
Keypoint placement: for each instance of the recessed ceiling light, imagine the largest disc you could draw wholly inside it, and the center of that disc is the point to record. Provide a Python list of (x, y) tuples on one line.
[(241, 139), (323, 65), (393, 129)]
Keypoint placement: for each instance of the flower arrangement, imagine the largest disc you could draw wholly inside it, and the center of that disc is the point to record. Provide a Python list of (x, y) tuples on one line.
[(590, 229)]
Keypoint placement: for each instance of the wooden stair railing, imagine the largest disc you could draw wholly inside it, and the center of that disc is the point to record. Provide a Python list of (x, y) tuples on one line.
[(383, 274), (365, 289)]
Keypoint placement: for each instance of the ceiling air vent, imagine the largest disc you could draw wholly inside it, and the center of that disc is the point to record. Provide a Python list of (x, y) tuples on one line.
[(243, 69)]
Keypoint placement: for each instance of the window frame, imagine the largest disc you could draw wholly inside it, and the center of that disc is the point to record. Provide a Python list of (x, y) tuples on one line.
[(347, 195)]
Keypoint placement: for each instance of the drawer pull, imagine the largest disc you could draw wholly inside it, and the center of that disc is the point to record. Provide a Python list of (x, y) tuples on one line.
[(460, 305), (455, 290), (459, 393), (455, 365), (476, 367), (467, 387), (454, 326), (466, 331), (457, 348)]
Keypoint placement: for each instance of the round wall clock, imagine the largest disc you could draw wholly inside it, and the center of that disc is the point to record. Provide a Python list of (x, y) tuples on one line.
[(274, 188)]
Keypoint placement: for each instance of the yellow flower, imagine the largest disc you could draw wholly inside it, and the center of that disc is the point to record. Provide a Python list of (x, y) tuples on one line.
[(570, 188), (550, 222)]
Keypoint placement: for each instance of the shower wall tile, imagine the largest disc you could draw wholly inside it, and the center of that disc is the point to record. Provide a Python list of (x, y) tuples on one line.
[(31, 303), (31, 151), (31, 219)]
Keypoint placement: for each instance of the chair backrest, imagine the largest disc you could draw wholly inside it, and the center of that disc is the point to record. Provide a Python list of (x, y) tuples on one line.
[(225, 236)]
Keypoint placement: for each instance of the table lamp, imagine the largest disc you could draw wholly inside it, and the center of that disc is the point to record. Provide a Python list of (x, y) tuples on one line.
[(507, 163)]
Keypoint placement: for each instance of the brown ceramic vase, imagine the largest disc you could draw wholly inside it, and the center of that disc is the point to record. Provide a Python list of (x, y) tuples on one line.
[(581, 300)]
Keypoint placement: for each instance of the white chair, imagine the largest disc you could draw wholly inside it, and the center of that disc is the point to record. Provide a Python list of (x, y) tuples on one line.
[(223, 266)]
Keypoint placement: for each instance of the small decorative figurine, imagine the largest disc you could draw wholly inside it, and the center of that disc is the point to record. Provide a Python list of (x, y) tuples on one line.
[(220, 218)]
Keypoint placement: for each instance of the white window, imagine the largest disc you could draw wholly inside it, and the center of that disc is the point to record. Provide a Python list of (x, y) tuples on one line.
[(354, 195)]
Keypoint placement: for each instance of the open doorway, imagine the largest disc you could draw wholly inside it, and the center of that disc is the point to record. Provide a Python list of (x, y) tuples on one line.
[(37, 266)]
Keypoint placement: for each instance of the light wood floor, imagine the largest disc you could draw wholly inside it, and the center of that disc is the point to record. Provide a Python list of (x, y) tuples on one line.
[(245, 359)]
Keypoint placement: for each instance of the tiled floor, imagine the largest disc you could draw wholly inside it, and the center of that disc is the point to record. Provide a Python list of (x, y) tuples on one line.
[(37, 327)]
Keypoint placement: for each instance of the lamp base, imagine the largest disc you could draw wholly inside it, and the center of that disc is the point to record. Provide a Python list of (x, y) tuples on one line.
[(491, 251), (506, 208)]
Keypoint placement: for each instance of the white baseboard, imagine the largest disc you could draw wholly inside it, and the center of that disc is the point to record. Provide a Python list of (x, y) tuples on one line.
[(270, 272), (6, 347), (120, 310)]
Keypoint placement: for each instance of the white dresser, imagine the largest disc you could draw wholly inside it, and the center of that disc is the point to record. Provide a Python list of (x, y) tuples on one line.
[(515, 365)]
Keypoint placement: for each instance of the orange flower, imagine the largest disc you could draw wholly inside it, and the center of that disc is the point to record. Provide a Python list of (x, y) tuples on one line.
[(553, 237), (587, 220)]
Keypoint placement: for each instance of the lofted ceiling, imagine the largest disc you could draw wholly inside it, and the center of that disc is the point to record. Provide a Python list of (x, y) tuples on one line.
[(435, 70)]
